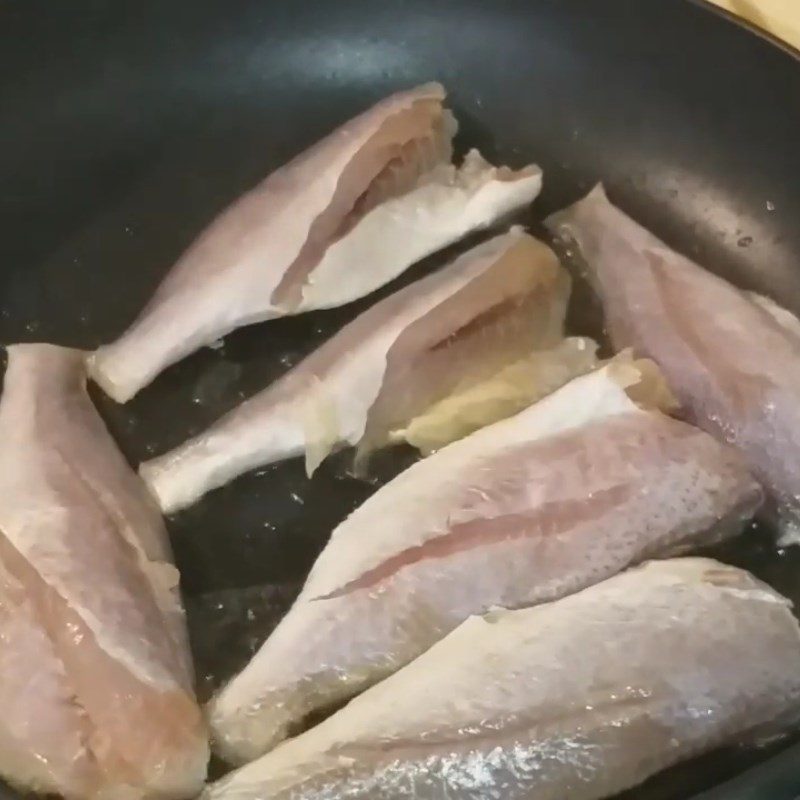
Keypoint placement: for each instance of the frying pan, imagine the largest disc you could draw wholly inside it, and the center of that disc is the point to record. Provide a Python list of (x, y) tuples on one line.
[(124, 127)]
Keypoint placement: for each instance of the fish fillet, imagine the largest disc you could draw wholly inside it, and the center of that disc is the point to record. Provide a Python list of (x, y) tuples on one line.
[(545, 503), (337, 222), (580, 698), (502, 299), (732, 358), (95, 673)]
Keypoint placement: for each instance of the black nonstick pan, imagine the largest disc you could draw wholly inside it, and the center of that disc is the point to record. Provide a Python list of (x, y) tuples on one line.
[(125, 126)]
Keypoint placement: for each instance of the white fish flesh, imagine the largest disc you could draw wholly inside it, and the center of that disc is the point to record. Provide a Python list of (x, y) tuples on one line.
[(95, 673), (560, 496), (732, 358), (497, 302), (337, 222), (577, 699)]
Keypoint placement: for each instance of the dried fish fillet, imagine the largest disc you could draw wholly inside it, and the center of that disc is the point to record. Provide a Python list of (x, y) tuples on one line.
[(564, 494), (732, 358), (95, 673), (501, 300), (337, 222), (581, 698)]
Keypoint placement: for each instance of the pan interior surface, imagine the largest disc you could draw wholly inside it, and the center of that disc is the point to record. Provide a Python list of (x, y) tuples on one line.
[(126, 127)]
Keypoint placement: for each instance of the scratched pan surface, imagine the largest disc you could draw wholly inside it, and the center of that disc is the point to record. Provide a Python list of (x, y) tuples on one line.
[(124, 127)]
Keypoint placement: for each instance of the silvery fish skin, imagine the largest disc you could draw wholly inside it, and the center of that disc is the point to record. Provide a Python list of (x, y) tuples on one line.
[(95, 672), (499, 300), (556, 498), (337, 222), (736, 371), (580, 698)]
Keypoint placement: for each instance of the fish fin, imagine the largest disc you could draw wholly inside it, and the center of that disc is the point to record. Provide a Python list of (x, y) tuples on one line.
[(516, 305), (643, 382), (508, 391), (320, 425)]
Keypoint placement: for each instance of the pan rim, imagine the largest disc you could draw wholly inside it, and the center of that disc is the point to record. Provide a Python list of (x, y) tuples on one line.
[(770, 38)]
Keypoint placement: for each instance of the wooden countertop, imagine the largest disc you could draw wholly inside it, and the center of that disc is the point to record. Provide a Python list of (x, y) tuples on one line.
[(780, 17)]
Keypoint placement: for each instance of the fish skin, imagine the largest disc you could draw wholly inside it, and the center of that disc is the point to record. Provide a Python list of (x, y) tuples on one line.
[(580, 698), (87, 581), (564, 494), (736, 372), (37, 705), (236, 272), (324, 403)]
